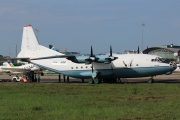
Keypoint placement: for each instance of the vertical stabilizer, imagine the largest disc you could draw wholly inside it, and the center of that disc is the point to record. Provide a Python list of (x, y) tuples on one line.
[(10, 64), (30, 46), (29, 40)]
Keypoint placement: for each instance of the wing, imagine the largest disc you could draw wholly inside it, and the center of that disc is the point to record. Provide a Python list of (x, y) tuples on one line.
[(87, 59), (15, 69)]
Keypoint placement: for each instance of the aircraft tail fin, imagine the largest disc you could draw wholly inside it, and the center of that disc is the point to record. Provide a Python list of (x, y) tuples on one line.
[(30, 46), (29, 40), (10, 64)]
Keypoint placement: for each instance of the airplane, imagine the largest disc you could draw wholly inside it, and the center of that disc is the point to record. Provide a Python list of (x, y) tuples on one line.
[(5, 65), (95, 67), (9, 68)]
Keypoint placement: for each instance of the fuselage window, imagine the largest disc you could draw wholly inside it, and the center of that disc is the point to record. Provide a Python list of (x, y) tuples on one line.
[(71, 67), (76, 67), (86, 67), (81, 67), (136, 64)]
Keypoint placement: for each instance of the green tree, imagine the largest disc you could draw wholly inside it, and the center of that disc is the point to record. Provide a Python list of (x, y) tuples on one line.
[(17, 64), (1, 58)]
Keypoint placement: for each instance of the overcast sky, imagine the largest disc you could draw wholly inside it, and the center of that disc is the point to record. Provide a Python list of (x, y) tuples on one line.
[(75, 25)]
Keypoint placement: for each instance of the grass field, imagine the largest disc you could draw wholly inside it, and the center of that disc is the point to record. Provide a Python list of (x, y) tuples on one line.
[(89, 102)]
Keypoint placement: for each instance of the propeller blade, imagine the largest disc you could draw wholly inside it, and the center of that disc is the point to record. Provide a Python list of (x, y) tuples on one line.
[(91, 57), (92, 68), (91, 52), (110, 51), (110, 58)]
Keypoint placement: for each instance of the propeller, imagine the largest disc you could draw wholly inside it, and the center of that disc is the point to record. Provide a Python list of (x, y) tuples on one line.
[(92, 57), (111, 57)]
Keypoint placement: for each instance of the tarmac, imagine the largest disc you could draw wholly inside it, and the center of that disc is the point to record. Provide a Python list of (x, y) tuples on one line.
[(54, 78)]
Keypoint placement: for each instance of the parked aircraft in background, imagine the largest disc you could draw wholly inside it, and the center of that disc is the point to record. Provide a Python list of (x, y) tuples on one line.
[(5, 65), (9, 68), (97, 68)]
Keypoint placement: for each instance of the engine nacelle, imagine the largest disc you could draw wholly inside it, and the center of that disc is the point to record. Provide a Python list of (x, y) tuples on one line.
[(86, 59)]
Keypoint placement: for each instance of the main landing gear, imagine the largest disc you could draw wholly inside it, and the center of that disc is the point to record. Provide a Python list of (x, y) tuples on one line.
[(151, 80), (95, 80)]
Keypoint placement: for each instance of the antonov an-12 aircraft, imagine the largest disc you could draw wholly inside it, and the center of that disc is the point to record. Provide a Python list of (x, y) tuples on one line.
[(95, 67)]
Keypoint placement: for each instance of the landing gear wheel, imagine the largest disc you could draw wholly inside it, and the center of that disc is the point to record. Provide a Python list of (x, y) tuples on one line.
[(151, 80), (14, 80), (96, 81), (91, 81)]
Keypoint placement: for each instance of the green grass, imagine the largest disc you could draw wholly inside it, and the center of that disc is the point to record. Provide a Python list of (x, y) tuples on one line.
[(91, 102)]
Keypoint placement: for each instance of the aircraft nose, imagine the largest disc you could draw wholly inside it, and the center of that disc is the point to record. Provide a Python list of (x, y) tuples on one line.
[(173, 64)]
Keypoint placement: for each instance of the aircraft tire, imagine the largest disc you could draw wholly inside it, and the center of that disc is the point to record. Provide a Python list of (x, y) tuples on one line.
[(96, 81), (91, 81)]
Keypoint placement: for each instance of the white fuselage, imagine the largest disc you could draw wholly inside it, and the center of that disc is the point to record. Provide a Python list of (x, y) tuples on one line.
[(127, 65)]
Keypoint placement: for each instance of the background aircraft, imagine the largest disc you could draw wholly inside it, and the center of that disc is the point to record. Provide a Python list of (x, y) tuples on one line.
[(9, 68), (100, 67), (5, 65)]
